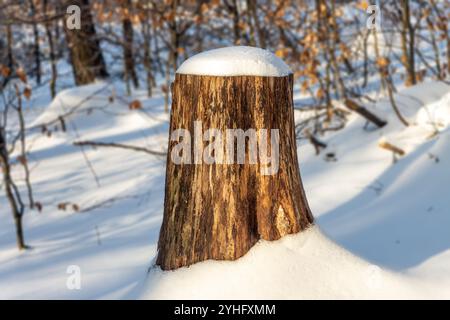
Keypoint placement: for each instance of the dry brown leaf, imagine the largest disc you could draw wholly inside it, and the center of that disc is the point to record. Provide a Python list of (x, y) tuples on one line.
[(279, 53), (383, 62), (22, 160), (38, 206), (135, 105), (5, 71), (27, 93), (363, 5), (404, 59), (21, 74), (319, 93)]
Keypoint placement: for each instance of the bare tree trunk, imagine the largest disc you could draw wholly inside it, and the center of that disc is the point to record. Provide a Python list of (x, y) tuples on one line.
[(52, 61), (341, 89), (166, 88), (386, 82), (147, 53), (442, 23), (9, 53), (252, 7), (15, 204), (327, 89), (52, 54), (251, 26), (128, 56), (408, 35), (85, 52), (335, 34), (23, 145), (234, 10), (448, 52), (366, 34), (172, 60), (174, 37), (323, 39), (437, 54), (199, 34), (36, 49), (157, 55), (220, 210)]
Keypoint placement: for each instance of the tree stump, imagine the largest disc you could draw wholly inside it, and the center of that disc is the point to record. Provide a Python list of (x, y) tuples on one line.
[(219, 209)]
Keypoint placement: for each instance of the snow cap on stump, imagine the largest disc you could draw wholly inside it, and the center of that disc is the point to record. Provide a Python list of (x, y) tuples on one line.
[(235, 61)]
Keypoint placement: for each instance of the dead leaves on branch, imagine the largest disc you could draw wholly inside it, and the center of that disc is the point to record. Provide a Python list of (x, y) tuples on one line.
[(363, 5), (383, 62), (21, 74), (27, 92), (320, 93), (64, 206), (281, 53), (5, 71), (38, 206), (22, 160), (135, 105)]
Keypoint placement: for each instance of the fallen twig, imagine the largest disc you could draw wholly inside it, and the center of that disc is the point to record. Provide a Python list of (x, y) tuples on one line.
[(119, 145)]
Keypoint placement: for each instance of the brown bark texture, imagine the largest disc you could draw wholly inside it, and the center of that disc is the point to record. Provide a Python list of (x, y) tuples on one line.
[(219, 211), (85, 51)]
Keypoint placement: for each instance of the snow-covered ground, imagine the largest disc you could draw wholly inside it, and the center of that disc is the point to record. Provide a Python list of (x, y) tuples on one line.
[(382, 228)]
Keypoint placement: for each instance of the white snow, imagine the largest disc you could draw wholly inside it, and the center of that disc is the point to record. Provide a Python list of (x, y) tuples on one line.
[(235, 61), (435, 116), (381, 228), (71, 100), (303, 266)]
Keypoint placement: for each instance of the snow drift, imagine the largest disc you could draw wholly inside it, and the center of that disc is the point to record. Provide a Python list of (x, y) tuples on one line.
[(394, 215), (306, 265), (435, 116)]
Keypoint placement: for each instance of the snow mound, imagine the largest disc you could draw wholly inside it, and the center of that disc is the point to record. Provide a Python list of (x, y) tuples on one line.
[(435, 116), (74, 100), (304, 265), (424, 92), (235, 61)]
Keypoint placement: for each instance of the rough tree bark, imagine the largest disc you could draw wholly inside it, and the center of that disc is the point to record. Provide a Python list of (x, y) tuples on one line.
[(219, 211), (85, 52)]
